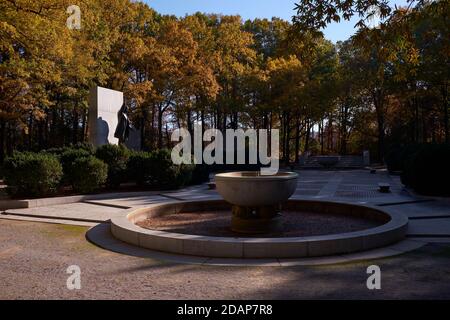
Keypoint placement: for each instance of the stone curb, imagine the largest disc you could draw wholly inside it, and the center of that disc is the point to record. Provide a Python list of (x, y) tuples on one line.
[(125, 229), (34, 203), (101, 236)]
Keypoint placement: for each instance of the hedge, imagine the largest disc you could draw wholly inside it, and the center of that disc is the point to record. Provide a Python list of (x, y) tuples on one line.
[(40, 174), (156, 169), (116, 157), (397, 156), (88, 174), (89, 148), (428, 170), (32, 174), (200, 174)]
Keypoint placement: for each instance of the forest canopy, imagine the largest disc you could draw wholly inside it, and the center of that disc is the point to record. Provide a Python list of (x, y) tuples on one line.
[(385, 86)]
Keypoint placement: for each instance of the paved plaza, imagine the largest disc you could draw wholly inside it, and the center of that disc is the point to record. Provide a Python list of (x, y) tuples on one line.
[(37, 244), (429, 217)]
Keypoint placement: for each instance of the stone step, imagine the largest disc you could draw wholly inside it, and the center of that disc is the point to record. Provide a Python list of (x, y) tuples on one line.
[(344, 162)]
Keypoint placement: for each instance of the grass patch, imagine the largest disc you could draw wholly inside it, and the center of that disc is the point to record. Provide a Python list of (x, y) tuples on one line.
[(64, 230)]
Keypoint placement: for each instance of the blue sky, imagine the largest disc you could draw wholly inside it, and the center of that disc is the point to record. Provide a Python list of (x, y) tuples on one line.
[(250, 9)]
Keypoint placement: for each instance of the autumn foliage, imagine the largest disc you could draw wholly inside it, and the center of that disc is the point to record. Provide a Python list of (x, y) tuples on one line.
[(383, 87)]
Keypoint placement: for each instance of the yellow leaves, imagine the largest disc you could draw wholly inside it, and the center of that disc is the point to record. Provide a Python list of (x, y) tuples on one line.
[(413, 56), (139, 92), (284, 64)]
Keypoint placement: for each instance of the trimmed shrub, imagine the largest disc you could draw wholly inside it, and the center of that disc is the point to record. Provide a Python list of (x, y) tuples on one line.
[(157, 170), (68, 158), (79, 146), (165, 174), (32, 174), (184, 176), (116, 157), (200, 174), (397, 157), (428, 170), (88, 174), (394, 160), (138, 167)]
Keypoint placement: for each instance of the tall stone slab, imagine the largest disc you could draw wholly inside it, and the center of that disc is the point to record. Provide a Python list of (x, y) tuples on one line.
[(104, 106), (366, 158)]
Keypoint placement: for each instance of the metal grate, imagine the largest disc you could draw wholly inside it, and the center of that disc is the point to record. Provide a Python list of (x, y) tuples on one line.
[(358, 194), (305, 192)]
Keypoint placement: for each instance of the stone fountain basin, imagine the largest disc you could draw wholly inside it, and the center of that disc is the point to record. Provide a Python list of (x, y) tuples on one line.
[(250, 189), (392, 230)]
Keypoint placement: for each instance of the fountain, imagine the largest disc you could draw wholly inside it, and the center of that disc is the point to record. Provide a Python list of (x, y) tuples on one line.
[(256, 199), (259, 229)]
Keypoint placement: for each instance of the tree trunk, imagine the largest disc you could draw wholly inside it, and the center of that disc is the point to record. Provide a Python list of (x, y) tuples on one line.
[(30, 132), (83, 126), (343, 133), (2, 140), (321, 132), (142, 125), (10, 138), (446, 115), (202, 119), (75, 124), (330, 133), (379, 107), (160, 125), (41, 125), (297, 140), (307, 135)]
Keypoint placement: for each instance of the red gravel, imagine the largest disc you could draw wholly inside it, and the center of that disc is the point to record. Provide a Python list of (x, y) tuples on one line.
[(296, 224)]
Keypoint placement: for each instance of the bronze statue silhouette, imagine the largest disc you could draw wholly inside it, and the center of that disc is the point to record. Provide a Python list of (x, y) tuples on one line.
[(124, 125)]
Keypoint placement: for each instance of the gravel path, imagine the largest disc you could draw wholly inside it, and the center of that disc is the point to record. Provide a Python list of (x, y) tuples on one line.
[(34, 258)]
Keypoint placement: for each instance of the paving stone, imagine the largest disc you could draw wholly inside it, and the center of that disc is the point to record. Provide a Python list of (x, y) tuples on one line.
[(52, 221), (131, 201), (75, 211), (436, 227), (424, 209)]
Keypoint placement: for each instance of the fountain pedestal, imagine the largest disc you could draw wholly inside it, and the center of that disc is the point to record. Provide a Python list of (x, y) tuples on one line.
[(266, 219)]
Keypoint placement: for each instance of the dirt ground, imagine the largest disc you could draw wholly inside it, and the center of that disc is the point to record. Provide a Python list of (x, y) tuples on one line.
[(34, 258)]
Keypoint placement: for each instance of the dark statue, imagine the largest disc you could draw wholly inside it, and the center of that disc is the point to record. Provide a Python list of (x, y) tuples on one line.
[(124, 125)]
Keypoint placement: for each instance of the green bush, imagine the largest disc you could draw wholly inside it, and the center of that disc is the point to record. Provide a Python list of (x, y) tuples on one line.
[(428, 170), (88, 174), (138, 167), (165, 174), (79, 146), (157, 170), (116, 157), (68, 158), (394, 160), (200, 174), (184, 175), (397, 157), (32, 174)]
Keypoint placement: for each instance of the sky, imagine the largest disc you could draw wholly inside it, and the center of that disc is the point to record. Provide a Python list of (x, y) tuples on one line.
[(251, 9)]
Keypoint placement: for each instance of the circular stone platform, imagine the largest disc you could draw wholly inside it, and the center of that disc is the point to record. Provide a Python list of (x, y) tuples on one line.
[(390, 229)]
